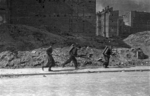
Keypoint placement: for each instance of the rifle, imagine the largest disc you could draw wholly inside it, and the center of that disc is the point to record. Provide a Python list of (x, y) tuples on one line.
[(105, 50)]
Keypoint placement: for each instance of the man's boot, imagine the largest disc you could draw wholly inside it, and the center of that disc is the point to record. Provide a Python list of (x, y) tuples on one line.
[(63, 65), (43, 68), (49, 69), (76, 68)]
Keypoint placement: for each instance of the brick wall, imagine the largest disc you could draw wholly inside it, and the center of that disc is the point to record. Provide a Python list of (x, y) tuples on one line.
[(60, 15)]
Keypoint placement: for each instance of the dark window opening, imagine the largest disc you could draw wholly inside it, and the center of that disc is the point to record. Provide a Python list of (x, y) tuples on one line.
[(57, 15), (37, 15), (2, 8), (40, 20), (40, 1), (65, 15)]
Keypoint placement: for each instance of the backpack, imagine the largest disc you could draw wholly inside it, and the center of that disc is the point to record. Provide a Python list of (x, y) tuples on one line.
[(73, 51)]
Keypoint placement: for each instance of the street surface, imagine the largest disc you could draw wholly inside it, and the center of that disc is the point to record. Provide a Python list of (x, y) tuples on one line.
[(95, 84)]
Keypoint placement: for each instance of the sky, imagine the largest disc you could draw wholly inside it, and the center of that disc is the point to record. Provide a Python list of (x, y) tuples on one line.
[(124, 5)]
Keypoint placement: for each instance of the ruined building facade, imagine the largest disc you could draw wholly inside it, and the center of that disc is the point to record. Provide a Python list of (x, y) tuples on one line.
[(57, 15), (110, 24), (107, 22)]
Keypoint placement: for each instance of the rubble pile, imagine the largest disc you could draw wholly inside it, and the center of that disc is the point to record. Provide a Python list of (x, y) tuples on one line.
[(86, 57), (38, 57)]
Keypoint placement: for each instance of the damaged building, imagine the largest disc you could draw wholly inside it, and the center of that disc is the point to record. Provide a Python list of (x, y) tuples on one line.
[(76, 16), (107, 22), (110, 24)]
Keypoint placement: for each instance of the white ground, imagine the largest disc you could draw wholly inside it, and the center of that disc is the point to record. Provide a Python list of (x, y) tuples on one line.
[(96, 84)]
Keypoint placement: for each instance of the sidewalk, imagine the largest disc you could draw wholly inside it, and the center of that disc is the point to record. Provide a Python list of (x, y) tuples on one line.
[(67, 70)]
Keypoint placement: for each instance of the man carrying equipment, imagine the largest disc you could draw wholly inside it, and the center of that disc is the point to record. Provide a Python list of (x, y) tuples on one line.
[(106, 53), (73, 54)]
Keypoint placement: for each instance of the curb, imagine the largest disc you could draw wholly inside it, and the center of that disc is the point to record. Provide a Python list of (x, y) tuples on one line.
[(67, 73)]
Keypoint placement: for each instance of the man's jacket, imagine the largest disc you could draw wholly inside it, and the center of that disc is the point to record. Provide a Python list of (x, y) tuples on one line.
[(73, 51)]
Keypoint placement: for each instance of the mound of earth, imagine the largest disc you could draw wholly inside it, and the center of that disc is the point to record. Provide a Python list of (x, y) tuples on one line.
[(23, 38), (140, 40)]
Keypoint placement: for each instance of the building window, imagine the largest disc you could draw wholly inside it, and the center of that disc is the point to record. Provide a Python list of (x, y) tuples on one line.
[(58, 15)]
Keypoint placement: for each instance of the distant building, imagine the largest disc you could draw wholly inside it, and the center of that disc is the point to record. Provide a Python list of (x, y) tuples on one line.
[(110, 24), (139, 21), (107, 22)]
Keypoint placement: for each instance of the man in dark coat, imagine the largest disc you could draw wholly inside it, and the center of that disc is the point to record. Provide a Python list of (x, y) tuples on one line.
[(51, 61), (72, 55), (106, 53)]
